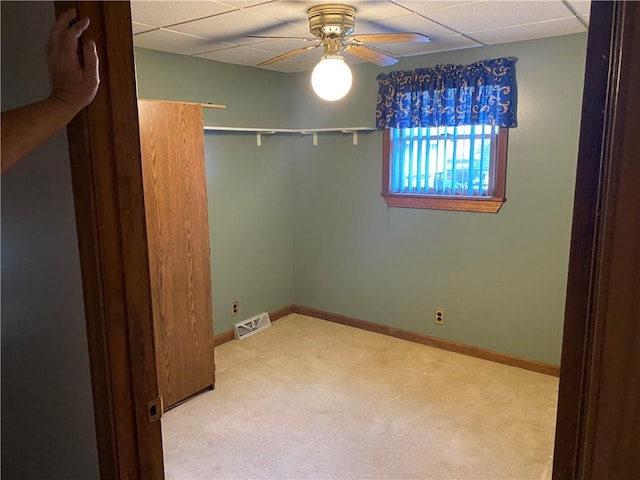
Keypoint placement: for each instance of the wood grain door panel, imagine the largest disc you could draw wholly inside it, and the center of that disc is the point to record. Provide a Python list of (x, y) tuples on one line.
[(178, 230)]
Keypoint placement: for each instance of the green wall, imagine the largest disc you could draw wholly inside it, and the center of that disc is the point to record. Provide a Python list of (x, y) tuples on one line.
[(250, 222), (248, 187), (254, 97), (501, 277)]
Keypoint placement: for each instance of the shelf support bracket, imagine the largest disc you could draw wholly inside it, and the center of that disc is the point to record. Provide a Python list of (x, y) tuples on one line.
[(354, 136), (314, 137), (259, 137)]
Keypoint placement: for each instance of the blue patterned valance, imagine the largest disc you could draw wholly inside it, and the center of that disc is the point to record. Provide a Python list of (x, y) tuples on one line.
[(483, 93)]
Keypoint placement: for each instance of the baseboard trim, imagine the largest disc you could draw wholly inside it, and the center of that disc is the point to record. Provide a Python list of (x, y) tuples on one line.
[(223, 337), (281, 312), (532, 365), (275, 315)]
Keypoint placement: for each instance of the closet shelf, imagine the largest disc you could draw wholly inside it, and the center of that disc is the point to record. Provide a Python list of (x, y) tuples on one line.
[(204, 105), (303, 131)]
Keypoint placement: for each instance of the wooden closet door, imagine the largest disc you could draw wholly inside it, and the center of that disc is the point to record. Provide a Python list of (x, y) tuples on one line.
[(172, 142)]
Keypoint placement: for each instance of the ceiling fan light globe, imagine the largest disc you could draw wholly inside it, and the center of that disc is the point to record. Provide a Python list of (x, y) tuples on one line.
[(331, 78)]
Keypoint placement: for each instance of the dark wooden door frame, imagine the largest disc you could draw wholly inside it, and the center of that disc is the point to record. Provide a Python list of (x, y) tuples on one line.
[(105, 156), (104, 148), (598, 427)]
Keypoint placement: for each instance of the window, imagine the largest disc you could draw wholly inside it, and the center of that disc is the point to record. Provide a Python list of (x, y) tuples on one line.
[(445, 134), (446, 168)]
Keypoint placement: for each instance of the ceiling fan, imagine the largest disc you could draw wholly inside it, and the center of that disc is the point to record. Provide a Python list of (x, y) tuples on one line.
[(333, 25)]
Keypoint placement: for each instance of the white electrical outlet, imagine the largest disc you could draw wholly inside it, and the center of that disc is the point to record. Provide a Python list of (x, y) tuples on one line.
[(234, 308), (438, 319)]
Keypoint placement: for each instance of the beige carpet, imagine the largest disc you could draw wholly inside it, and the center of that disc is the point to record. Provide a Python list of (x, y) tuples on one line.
[(310, 399)]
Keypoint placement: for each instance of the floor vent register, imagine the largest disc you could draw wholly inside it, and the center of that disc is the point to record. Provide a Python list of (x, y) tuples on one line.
[(248, 327)]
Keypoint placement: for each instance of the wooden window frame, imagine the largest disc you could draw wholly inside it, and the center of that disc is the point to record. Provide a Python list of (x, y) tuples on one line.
[(449, 202)]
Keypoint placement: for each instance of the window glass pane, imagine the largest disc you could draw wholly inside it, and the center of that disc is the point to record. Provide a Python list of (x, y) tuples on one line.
[(454, 161)]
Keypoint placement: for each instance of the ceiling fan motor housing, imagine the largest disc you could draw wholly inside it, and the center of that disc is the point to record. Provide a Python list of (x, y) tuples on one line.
[(333, 20), (333, 25)]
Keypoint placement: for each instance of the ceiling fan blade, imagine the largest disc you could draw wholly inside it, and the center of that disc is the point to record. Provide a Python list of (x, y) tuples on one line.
[(287, 55), (391, 38), (370, 55)]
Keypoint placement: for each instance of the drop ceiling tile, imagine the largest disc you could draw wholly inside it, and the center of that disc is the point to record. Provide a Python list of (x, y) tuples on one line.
[(286, 10), (233, 26), (249, 56), (243, 3), (141, 27), (296, 10), (372, 11), (220, 25), (168, 41), (238, 55), (532, 31), (490, 15), (423, 7), (278, 46), (442, 44), (165, 13), (581, 7), (406, 23), (289, 31)]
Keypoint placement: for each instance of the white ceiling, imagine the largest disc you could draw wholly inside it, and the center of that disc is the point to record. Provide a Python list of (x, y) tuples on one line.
[(216, 30)]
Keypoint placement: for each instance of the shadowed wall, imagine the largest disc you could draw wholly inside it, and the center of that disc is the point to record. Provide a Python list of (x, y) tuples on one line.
[(47, 410)]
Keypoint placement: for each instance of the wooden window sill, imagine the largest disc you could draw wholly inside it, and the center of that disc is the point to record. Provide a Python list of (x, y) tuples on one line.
[(442, 202)]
